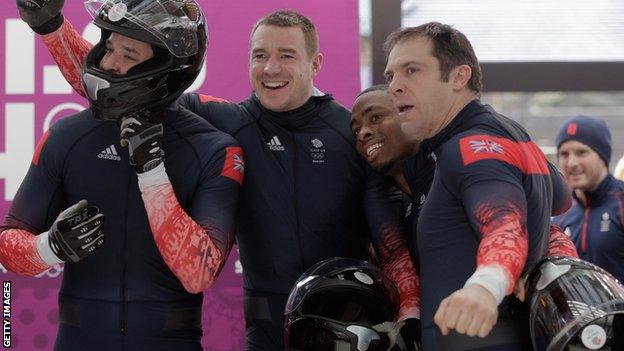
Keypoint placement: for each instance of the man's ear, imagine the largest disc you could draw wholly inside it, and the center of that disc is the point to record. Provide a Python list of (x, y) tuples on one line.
[(461, 76), (317, 63)]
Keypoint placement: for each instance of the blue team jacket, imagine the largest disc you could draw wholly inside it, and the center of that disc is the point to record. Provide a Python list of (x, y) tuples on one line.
[(307, 196), (124, 296), (596, 226)]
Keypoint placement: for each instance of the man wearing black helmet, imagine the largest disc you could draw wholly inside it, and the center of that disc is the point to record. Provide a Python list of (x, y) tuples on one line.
[(170, 201), (308, 196)]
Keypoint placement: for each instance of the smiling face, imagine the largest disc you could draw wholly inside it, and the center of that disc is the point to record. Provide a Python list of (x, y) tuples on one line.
[(123, 53), (377, 128), (280, 69), (581, 165)]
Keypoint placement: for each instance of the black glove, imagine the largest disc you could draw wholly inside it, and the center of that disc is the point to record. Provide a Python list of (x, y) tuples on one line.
[(410, 332), (77, 232), (43, 16), (401, 336), (144, 141)]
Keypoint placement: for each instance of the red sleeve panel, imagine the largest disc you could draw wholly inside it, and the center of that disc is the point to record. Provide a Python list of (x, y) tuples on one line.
[(69, 49), (35, 206), (559, 244), (505, 240), (186, 247), (493, 179), (18, 252), (526, 156), (208, 98), (396, 262)]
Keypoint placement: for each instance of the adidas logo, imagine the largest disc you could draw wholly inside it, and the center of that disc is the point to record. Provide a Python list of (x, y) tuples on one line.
[(275, 145), (110, 153)]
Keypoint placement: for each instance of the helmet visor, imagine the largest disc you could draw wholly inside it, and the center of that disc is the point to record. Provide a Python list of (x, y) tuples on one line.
[(583, 305), (174, 23)]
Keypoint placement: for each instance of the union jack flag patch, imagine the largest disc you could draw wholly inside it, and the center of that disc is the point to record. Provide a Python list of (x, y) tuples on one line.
[(239, 164), (485, 145), (525, 155), (234, 165)]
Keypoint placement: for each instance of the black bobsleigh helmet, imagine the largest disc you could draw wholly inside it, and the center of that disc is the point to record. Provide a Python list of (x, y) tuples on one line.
[(574, 305), (176, 31), (335, 304)]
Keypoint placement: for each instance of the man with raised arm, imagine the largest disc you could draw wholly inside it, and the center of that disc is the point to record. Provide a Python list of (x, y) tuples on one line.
[(169, 200)]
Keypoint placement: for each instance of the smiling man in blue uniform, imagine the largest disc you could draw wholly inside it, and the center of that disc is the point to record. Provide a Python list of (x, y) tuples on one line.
[(595, 221)]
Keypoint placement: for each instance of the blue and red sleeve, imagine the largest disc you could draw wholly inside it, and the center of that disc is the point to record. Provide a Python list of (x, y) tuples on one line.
[(390, 242), (195, 242), (69, 49), (559, 244), (35, 206), (486, 173)]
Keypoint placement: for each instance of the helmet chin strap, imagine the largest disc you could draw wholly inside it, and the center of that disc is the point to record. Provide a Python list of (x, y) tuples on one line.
[(93, 84), (392, 332), (364, 336)]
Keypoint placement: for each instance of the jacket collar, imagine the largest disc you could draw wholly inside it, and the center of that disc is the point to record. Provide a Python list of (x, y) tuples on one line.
[(599, 195), (292, 119), (459, 124)]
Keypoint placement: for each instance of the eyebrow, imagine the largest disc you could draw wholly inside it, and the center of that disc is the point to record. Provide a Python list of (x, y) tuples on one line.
[(129, 49), (282, 50), (366, 111), (405, 64), (369, 109), (288, 50), (126, 48)]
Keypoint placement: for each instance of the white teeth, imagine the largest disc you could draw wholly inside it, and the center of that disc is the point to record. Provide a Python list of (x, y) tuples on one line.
[(372, 148), (274, 84)]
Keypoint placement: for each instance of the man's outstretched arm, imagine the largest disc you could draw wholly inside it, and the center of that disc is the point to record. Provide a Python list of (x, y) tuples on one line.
[(68, 48)]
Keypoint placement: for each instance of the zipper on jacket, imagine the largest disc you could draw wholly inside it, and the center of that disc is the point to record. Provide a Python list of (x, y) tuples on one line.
[(584, 228), (295, 198), (123, 310)]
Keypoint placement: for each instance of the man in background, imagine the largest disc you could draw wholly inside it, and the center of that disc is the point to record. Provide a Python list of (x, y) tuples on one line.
[(595, 221)]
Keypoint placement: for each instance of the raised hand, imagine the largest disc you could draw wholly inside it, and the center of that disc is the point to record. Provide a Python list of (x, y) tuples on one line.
[(144, 141), (43, 16)]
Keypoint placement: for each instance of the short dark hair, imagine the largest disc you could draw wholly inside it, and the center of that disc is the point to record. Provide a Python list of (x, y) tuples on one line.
[(288, 18), (373, 88), (450, 47)]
